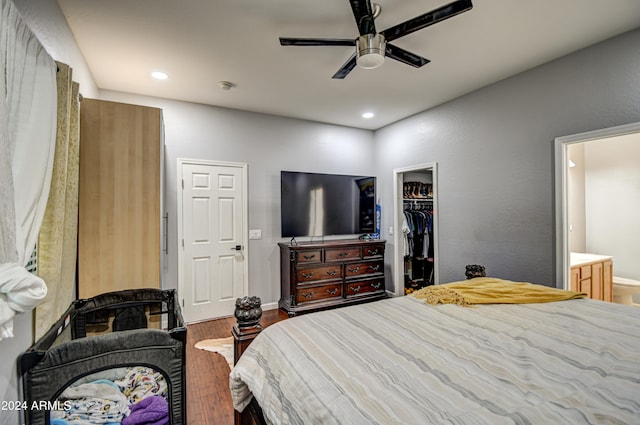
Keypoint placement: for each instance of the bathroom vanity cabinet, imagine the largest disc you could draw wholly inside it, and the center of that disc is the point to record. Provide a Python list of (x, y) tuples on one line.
[(593, 275)]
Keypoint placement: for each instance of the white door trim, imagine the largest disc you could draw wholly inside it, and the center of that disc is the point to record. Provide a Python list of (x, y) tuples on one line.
[(398, 256), (245, 218), (561, 194)]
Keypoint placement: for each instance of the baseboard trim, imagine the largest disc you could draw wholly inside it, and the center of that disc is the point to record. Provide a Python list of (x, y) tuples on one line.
[(269, 306)]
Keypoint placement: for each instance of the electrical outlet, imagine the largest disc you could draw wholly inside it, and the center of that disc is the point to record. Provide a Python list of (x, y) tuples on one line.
[(255, 234)]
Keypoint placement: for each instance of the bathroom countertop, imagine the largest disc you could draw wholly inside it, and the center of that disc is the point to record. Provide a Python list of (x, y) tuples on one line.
[(581, 259)]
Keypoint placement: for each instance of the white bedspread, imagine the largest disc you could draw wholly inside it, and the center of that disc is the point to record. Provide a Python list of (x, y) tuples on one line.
[(399, 361)]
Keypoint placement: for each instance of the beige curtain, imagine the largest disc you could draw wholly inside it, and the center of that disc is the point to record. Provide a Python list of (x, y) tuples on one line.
[(58, 239)]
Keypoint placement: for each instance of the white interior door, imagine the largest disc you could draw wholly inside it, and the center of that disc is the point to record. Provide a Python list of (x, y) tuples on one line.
[(213, 267)]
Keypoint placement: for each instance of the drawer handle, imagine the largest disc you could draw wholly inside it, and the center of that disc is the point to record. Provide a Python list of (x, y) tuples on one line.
[(307, 275), (374, 268), (332, 272), (372, 251), (375, 285), (309, 257), (355, 288), (354, 269), (343, 254), (308, 295), (332, 291)]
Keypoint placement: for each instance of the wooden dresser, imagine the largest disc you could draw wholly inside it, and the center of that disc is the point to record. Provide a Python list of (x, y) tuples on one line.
[(316, 276)]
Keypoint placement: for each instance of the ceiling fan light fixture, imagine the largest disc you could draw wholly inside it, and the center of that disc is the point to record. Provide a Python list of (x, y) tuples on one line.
[(370, 51)]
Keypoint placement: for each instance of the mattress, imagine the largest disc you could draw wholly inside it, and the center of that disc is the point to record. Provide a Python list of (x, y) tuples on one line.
[(400, 361)]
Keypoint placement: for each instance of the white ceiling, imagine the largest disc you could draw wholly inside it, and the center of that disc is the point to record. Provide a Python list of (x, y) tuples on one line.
[(201, 42)]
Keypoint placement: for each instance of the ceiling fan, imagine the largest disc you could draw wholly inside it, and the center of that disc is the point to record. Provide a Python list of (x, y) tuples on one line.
[(372, 46)]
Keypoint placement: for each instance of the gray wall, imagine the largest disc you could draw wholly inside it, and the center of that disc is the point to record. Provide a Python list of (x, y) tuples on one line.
[(494, 149)]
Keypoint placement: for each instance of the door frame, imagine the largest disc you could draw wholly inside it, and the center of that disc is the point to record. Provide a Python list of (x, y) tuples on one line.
[(563, 280), (245, 219), (398, 256)]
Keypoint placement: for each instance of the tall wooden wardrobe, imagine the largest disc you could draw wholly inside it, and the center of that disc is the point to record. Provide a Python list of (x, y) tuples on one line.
[(120, 198)]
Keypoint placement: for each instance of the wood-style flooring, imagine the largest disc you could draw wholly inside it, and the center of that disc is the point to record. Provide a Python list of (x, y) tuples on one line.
[(208, 396)]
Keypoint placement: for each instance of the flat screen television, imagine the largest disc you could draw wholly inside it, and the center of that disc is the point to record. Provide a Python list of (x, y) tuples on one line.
[(314, 204)]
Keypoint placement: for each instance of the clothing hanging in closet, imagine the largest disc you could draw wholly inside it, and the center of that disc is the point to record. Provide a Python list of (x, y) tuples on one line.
[(417, 228)]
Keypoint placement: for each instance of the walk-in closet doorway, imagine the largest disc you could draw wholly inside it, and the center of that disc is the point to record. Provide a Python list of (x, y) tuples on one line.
[(415, 188)]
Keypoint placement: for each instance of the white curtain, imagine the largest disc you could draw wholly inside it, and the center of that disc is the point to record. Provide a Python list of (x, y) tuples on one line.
[(27, 142)]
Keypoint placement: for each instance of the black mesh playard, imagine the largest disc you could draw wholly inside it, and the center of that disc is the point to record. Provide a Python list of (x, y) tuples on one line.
[(108, 339)]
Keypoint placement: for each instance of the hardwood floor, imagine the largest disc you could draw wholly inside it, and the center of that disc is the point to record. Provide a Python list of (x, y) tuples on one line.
[(208, 396)]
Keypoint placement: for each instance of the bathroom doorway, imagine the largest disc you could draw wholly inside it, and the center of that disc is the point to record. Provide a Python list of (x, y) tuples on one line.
[(416, 188), (597, 177)]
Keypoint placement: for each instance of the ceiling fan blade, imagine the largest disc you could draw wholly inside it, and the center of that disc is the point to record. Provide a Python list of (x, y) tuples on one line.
[(395, 52), (429, 18), (285, 41), (363, 13), (346, 68)]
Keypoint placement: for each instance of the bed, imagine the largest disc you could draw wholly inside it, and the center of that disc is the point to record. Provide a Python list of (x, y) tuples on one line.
[(113, 358), (401, 361)]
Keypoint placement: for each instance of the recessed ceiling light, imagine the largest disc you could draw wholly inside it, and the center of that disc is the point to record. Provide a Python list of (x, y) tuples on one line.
[(367, 115), (159, 75)]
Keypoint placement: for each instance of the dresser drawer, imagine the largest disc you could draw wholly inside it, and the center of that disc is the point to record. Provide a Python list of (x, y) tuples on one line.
[(358, 269), (373, 251), (312, 274), (365, 287), (317, 293), (341, 254), (314, 256)]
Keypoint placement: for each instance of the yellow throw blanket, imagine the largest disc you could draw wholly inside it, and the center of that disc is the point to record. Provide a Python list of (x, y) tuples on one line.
[(489, 290)]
